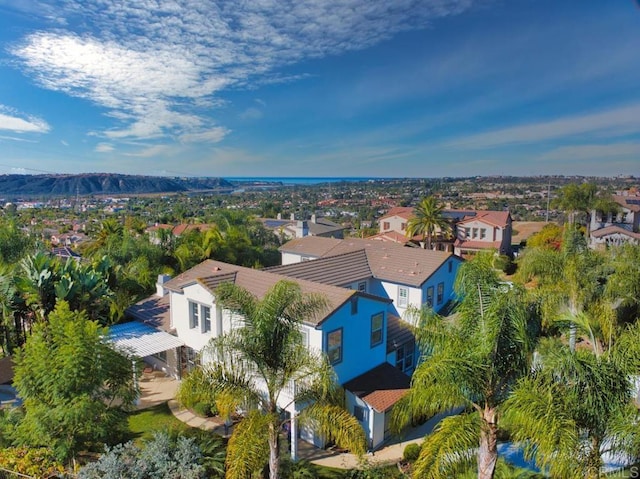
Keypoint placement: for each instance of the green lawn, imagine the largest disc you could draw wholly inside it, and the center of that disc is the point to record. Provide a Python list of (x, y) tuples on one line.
[(142, 424)]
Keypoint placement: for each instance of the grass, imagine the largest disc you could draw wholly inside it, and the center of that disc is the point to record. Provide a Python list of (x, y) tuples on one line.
[(142, 424)]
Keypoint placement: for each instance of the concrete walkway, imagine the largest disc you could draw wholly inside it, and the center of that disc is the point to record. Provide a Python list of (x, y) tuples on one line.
[(160, 389)]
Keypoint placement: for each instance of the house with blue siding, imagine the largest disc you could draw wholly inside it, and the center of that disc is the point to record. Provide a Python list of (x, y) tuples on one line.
[(369, 288)]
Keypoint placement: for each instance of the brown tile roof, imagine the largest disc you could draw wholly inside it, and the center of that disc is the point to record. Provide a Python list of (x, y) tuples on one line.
[(405, 212), (393, 236), (381, 387), (153, 311), (632, 203), (317, 246), (387, 261), (495, 218), (608, 230), (212, 273), (399, 332)]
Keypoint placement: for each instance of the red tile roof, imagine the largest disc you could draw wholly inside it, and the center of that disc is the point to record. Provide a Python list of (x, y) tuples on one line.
[(405, 212), (381, 387), (494, 218), (475, 245)]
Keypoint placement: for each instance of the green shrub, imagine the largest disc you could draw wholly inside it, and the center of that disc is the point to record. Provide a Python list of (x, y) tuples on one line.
[(203, 409), (411, 452)]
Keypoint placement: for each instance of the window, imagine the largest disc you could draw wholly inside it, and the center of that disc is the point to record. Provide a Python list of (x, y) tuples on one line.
[(194, 315), (467, 233), (440, 292), (386, 225), (161, 355), (450, 265), (404, 357), (377, 322), (305, 336), (475, 233), (206, 319), (362, 287), (354, 305), (334, 346), (360, 413), (483, 233), (403, 226), (430, 296), (191, 358), (403, 297)]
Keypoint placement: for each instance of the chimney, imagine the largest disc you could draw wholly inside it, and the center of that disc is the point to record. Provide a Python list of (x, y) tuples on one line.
[(162, 278), (302, 229)]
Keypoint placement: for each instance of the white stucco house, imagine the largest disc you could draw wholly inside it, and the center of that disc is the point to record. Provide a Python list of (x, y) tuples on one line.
[(616, 229), (369, 287)]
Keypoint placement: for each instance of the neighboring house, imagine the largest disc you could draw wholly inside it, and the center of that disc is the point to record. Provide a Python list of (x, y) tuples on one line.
[(292, 228), (484, 231), (612, 230), (65, 253), (177, 230), (495, 224)]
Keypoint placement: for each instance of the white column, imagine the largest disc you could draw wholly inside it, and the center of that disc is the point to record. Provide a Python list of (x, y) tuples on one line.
[(293, 427)]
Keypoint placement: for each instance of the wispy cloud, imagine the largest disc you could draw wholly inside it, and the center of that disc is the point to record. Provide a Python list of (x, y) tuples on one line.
[(610, 123), (593, 151), (148, 66), (12, 120), (103, 148)]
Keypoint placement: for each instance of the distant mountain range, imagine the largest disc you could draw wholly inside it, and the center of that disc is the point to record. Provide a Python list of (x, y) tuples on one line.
[(104, 184)]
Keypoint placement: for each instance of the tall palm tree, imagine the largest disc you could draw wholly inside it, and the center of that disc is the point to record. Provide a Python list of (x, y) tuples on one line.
[(426, 220), (258, 360), (576, 406), (471, 362)]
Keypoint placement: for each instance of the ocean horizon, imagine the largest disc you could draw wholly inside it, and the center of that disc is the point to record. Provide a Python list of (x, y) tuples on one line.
[(302, 180)]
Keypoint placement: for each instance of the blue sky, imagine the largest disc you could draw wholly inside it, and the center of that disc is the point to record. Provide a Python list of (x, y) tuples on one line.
[(320, 87)]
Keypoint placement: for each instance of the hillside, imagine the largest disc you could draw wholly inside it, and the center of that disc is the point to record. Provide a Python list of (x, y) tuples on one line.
[(103, 183)]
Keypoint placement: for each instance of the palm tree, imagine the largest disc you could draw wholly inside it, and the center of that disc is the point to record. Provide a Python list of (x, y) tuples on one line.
[(470, 362), (428, 218), (567, 281), (576, 406), (256, 362)]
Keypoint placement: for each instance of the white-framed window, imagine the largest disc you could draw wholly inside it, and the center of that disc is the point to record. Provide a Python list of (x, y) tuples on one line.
[(404, 357), (377, 324), (194, 314), (440, 292), (483, 233), (334, 346), (430, 296), (474, 233), (403, 297), (362, 286), (305, 336), (206, 319), (361, 413)]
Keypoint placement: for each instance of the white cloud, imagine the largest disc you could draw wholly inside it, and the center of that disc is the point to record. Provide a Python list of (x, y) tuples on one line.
[(103, 148), (64, 143), (213, 135), (593, 151), (611, 123), (149, 63), (151, 151), (11, 120), (251, 113)]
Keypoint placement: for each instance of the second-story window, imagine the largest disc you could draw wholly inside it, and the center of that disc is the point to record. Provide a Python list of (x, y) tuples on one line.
[(403, 297), (377, 323), (483, 233), (430, 296), (206, 319), (386, 225), (194, 315), (440, 292), (334, 346), (362, 286)]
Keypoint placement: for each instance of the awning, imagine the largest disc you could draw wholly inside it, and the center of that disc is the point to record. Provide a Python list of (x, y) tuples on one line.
[(142, 340)]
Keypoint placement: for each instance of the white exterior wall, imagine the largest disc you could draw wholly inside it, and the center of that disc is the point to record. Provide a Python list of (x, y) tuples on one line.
[(392, 290), (376, 419), (493, 233), (291, 258), (395, 224)]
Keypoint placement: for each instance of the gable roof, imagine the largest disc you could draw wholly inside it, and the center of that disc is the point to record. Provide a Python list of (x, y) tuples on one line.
[(387, 261), (609, 230), (632, 203), (494, 218), (405, 212), (381, 387), (153, 310), (210, 274)]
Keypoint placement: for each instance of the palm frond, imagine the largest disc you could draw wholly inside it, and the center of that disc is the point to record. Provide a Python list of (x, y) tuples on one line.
[(248, 448), (450, 448), (335, 423)]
